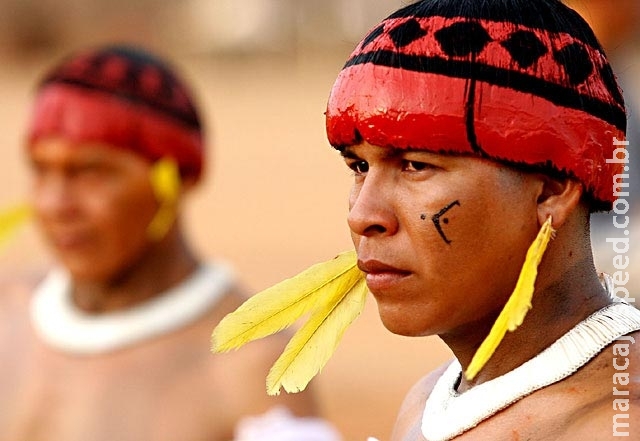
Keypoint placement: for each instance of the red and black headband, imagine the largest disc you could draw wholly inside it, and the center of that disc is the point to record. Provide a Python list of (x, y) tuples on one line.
[(521, 81), (125, 97)]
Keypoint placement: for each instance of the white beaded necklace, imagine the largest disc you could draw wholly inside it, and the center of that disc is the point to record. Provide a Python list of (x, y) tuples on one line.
[(448, 413), (60, 324)]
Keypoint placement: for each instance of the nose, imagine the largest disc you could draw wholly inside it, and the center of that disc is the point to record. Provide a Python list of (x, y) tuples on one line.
[(371, 209), (52, 198)]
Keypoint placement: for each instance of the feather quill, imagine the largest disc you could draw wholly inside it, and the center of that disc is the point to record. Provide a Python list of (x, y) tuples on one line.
[(519, 303), (279, 306), (315, 342)]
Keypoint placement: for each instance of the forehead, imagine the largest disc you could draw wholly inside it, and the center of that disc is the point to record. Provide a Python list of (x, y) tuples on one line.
[(389, 152), (66, 150)]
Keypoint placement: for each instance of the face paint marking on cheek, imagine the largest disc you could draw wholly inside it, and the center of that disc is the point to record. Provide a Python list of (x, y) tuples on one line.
[(423, 216), (436, 220)]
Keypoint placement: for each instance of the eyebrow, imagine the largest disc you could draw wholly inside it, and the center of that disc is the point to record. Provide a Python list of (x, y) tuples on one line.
[(348, 153), (390, 152)]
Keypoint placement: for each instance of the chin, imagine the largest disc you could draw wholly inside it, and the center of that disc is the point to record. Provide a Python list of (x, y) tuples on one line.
[(80, 270), (400, 322)]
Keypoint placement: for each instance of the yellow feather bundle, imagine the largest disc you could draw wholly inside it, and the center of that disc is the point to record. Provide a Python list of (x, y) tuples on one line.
[(516, 308), (334, 293), (165, 181), (12, 218)]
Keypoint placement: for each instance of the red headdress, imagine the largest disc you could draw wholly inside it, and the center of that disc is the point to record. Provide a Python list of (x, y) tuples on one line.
[(124, 97), (520, 81)]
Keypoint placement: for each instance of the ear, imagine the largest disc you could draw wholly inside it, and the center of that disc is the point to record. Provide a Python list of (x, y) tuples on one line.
[(558, 199), (188, 183)]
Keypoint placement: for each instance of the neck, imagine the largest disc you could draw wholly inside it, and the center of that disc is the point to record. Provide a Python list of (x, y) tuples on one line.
[(558, 304), (163, 265)]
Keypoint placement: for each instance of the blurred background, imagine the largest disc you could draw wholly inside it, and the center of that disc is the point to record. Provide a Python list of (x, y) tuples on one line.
[(275, 197)]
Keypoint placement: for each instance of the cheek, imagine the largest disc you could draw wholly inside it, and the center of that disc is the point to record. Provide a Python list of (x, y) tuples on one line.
[(123, 218), (488, 242), (481, 211), (467, 233), (353, 194), (442, 219)]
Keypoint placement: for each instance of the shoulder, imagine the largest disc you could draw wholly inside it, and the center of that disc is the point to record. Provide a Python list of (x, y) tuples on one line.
[(25, 281), (410, 413), (239, 377), (605, 393), (16, 290), (226, 387), (622, 356)]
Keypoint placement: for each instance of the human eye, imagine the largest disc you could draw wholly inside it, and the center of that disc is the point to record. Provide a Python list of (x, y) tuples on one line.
[(358, 166), (38, 168), (416, 161), (88, 169), (415, 166)]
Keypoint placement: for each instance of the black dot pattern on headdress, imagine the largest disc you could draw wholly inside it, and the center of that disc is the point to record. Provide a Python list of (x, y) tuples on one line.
[(406, 33), (575, 60), (467, 49), (462, 39), (524, 47), (130, 74)]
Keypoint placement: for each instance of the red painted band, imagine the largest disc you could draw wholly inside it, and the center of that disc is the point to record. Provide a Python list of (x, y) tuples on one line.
[(402, 109), (86, 115)]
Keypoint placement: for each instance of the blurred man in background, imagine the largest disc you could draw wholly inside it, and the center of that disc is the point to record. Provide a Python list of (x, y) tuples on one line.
[(113, 344)]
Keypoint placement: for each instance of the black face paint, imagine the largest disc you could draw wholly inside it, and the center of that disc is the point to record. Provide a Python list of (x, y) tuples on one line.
[(436, 220), (423, 216)]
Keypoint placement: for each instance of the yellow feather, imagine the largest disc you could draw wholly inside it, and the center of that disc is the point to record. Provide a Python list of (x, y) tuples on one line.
[(165, 181), (518, 304), (278, 307), (11, 219), (314, 343)]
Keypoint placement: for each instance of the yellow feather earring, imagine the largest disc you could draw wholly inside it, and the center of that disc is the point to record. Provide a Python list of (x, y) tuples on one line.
[(334, 294), (165, 181), (11, 219), (518, 304)]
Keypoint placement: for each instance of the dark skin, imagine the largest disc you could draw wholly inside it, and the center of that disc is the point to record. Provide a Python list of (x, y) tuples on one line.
[(426, 287)]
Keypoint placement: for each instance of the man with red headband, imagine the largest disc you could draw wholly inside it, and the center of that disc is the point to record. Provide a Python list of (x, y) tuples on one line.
[(116, 341), (469, 126), (481, 135)]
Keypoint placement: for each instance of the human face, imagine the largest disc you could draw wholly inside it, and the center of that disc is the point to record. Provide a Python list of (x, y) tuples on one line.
[(441, 238), (93, 203)]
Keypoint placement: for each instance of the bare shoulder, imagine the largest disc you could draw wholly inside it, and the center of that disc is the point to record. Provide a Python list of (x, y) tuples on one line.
[(240, 376), (609, 387), (410, 413), (222, 388), (16, 290), (18, 284)]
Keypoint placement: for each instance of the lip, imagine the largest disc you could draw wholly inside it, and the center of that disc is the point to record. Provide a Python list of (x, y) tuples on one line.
[(68, 241), (381, 276)]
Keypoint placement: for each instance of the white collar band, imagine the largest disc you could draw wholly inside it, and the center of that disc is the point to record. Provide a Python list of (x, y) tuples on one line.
[(59, 323), (448, 413)]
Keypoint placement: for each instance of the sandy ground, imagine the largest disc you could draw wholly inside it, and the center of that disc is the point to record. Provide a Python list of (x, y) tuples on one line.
[(274, 202)]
